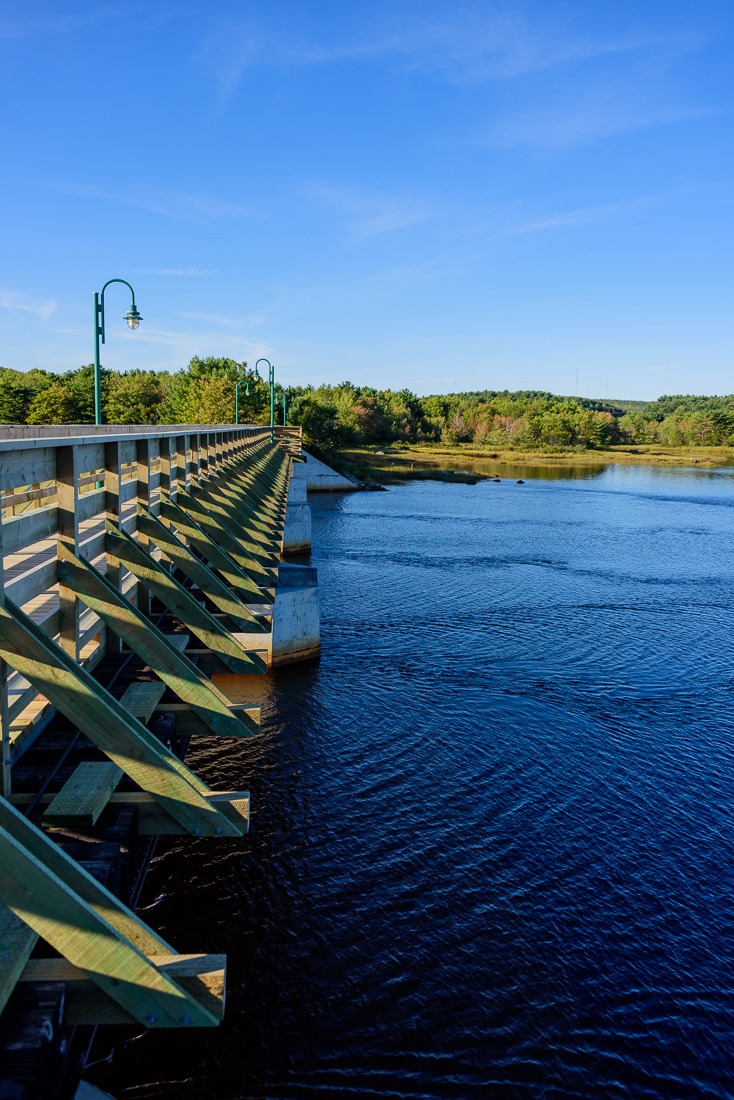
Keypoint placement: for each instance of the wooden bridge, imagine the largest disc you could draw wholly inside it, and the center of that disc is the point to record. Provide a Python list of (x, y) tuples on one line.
[(136, 564)]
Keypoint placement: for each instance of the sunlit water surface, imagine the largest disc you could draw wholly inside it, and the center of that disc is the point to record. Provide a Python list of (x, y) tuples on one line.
[(492, 831)]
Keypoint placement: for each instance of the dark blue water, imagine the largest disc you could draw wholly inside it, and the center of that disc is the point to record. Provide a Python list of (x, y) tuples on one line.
[(493, 830)]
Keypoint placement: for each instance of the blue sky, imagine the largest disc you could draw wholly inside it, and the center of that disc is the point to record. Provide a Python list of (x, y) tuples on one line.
[(436, 195)]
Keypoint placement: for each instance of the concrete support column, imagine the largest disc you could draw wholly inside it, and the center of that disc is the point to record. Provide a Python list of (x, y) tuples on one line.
[(296, 633), (297, 529)]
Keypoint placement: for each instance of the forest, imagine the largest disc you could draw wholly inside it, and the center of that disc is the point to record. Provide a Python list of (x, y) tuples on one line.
[(347, 414)]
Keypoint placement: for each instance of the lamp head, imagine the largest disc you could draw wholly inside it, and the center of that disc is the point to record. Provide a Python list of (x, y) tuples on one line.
[(132, 317)]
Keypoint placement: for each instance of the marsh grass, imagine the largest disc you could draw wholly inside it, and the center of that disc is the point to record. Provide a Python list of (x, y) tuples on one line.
[(467, 463)]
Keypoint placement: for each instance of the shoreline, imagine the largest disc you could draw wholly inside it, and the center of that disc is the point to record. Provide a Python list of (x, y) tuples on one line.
[(464, 463)]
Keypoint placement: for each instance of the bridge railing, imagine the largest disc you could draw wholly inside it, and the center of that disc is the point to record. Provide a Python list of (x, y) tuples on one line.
[(97, 523), (62, 483)]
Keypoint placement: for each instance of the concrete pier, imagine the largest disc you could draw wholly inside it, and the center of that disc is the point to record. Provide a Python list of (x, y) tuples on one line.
[(320, 478), (297, 529)]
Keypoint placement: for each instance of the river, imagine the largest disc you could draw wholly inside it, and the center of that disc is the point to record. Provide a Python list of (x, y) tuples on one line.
[(492, 830)]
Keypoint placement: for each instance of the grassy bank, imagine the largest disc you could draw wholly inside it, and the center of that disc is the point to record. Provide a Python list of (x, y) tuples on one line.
[(467, 462)]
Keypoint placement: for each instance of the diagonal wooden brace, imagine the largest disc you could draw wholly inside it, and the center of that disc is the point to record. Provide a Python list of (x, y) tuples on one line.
[(123, 738), (219, 530), (199, 572), (145, 639), (217, 556), (86, 924), (182, 604)]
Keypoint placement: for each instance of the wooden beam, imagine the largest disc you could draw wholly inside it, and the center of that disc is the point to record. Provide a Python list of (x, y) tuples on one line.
[(145, 639), (84, 795), (142, 698), (182, 604), (263, 536), (89, 927), (230, 540), (17, 941), (198, 572), (153, 820), (125, 740), (67, 477), (217, 557), (203, 977)]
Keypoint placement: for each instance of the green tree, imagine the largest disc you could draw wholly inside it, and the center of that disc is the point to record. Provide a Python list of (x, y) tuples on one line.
[(54, 405), (136, 397), (319, 421), (204, 393), (17, 391)]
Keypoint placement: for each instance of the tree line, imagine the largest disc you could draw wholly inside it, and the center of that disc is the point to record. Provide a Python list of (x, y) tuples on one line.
[(335, 416)]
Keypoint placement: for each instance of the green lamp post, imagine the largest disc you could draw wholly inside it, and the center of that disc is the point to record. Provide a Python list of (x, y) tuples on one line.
[(133, 319), (271, 383)]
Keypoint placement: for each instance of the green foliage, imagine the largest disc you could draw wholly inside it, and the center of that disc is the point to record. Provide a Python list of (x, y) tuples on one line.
[(136, 397), (204, 393), (69, 399), (17, 391), (334, 416), (319, 421)]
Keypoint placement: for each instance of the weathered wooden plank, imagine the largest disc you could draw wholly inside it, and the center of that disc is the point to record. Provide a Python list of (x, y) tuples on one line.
[(67, 475), (202, 976), (182, 604), (38, 578), (90, 456), (27, 466), (90, 504), (84, 795), (122, 738), (141, 699), (154, 821), (145, 639), (197, 571), (17, 941), (218, 558), (20, 532), (84, 922)]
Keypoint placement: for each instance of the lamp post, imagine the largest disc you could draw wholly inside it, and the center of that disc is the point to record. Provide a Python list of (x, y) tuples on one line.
[(133, 319), (271, 383)]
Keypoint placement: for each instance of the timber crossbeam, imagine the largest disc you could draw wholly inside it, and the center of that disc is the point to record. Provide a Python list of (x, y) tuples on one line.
[(157, 550)]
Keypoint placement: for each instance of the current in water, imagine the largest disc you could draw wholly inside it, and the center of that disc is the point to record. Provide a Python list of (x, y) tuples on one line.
[(492, 830)]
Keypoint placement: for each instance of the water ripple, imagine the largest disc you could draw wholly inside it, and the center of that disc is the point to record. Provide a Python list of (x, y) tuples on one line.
[(491, 837)]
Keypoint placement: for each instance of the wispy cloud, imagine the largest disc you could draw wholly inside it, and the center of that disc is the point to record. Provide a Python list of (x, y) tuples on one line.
[(18, 303), (204, 341), (482, 45), (188, 208), (565, 125), (369, 213), (475, 43), (513, 222), (176, 272)]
